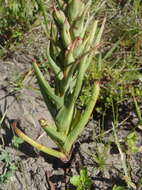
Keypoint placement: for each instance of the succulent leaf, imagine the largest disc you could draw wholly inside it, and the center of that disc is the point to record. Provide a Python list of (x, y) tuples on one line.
[(79, 23), (84, 118), (44, 84), (59, 16), (66, 37), (39, 146), (75, 9), (64, 119), (52, 132), (53, 65)]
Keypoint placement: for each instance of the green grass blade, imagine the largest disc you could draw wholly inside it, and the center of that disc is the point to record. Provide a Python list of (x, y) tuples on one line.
[(110, 52), (42, 8), (97, 41), (138, 111)]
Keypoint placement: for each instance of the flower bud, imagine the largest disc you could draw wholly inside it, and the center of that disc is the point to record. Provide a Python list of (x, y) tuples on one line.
[(75, 9), (59, 16), (66, 37)]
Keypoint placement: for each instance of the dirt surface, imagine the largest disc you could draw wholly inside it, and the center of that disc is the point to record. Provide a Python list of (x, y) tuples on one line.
[(35, 170)]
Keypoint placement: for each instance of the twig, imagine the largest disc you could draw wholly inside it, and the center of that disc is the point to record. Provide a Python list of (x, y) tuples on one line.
[(51, 184)]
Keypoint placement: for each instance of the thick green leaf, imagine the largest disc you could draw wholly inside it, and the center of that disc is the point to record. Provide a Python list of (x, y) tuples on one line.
[(64, 118), (53, 65), (52, 132), (75, 180), (46, 87), (73, 135), (40, 147)]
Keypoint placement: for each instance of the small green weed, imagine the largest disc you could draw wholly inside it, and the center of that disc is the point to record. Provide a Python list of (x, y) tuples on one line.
[(101, 156), (9, 167), (18, 83), (16, 141), (139, 184), (123, 159), (131, 142), (82, 181), (115, 187)]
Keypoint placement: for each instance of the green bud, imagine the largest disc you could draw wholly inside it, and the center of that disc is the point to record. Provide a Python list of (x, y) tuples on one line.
[(53, 32), (66, 37), (78, 26), (81, 48), (59, 16), (69, 55), (75, 9)]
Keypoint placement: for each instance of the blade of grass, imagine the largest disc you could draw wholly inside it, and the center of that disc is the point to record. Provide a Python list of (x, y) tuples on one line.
[(138, 111)]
